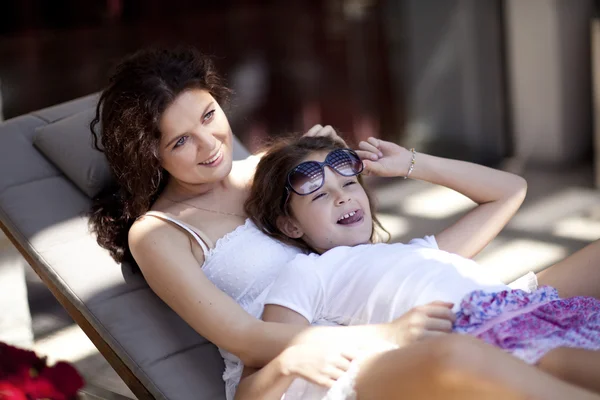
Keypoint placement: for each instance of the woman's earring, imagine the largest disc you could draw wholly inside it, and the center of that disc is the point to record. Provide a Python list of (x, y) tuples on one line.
[(156, 183)]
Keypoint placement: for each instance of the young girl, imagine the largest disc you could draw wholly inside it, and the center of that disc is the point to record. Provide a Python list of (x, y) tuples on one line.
[(307, 192)]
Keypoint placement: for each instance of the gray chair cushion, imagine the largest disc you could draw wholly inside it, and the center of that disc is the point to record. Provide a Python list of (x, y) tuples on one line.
[(66, 109), (46, 214), (20, 162), (67, 143)]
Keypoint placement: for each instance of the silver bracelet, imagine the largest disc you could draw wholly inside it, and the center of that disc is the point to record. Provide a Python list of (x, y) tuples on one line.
[(412, 163)]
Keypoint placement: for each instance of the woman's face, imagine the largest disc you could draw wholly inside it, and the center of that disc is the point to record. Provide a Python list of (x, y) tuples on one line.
[(196, 140), (338, 214)]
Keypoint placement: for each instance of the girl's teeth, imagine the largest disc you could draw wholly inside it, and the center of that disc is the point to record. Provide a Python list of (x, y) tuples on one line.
[(351, 214)]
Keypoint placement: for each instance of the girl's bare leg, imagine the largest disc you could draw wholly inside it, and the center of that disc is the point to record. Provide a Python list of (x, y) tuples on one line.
[(577, 366), (576, 275), (458, 367)]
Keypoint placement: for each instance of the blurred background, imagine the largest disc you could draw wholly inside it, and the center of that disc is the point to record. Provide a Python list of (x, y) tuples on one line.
[(480, 80), (506, 83)]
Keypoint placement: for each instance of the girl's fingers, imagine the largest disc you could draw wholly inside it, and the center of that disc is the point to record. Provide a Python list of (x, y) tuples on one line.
[(367, 155), (442, 303), (367, 146), (438, 325), (373, 168), (440, 312), (342, 364), (370, 167), (327, 130), (314, 130), (382, 145), (374, 141), (334, 373), (328, 383), (350, 354)]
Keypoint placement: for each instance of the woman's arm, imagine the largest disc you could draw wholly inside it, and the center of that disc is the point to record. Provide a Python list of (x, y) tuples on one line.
[(165, 256), (272, 381), (317, 363), (498, 194), (247, 166), (268, 383), (275, 378)]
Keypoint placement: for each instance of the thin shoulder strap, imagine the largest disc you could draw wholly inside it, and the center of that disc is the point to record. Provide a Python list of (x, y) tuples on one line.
[(202, 240)]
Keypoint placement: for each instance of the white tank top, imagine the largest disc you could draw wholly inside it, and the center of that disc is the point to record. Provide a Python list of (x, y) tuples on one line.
[(243, 264)]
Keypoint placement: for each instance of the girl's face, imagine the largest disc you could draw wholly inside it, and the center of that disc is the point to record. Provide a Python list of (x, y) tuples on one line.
[(338, 214), (196, 140)]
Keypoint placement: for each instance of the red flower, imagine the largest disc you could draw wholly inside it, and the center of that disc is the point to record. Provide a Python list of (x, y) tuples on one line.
[(40, 388), (12, 358), (64, 377), (23, 376), (8, 391)]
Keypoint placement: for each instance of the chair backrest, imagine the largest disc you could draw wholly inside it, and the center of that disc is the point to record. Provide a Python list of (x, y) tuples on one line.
[(44, 214)]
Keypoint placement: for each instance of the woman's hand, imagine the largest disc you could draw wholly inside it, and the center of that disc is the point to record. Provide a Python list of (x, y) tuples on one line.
[(382, 158), (319, 365), (424, 321), (327, 131)]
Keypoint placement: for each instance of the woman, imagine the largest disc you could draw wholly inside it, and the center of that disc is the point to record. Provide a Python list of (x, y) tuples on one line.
[(169, 146)]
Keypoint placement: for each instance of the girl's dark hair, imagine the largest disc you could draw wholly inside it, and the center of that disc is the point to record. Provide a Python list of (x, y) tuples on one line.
[(129, 110), (265, 203)]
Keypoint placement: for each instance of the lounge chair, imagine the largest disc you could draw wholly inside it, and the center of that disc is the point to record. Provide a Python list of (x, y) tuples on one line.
[(48, 174)]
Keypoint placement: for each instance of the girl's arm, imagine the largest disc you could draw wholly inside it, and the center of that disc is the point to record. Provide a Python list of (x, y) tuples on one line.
[(166, 258), (498, 194)]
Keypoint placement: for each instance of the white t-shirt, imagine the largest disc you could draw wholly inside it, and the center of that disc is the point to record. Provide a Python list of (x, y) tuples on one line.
[(376, 283)]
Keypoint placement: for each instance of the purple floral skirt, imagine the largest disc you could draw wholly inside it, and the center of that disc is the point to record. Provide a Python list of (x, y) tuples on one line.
[(529, 325)]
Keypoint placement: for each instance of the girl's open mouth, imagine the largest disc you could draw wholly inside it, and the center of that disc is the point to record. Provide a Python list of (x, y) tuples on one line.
[(351, 217)]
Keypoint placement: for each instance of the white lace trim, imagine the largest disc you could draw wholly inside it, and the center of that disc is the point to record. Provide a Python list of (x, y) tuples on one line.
[(527, 282), (228, 237), (232, 374)]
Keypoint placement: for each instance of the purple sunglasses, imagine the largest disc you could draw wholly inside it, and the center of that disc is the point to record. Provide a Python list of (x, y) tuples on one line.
[(309, 176)]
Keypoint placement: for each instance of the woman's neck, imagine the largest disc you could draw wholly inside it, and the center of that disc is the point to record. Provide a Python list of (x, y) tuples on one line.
[(181, 191)]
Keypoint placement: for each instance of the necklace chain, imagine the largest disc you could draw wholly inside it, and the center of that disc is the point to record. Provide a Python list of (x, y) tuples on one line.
[(205, 209)]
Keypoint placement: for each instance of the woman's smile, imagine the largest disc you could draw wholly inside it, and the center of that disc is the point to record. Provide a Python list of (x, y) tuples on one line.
[(214, 160)]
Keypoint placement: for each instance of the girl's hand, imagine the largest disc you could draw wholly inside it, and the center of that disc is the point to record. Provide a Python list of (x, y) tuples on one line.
[(327, 131), (319, 365), (382, 158), (424, 321)]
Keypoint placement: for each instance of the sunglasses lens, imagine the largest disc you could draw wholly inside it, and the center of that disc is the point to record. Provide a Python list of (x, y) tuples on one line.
[(346, 163), (306, 177)]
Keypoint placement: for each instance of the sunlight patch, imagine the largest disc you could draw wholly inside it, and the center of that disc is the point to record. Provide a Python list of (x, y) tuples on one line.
[(395, 225), (517, 257), (543, 215), (436, 203), (68, 344), (579, 228)]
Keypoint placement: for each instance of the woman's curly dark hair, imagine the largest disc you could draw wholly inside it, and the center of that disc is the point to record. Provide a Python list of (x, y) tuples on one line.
[(129, 110)]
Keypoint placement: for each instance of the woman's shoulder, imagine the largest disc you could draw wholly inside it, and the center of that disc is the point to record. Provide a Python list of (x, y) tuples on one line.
[(156, 244), (146, 231), (149, 235)]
